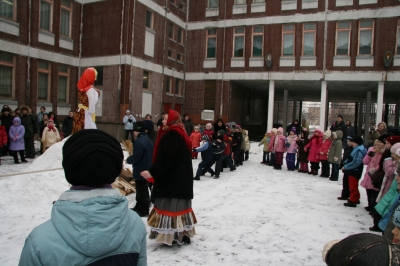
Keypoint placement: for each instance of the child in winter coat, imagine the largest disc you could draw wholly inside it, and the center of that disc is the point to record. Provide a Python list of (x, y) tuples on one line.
[(279, 149), (247, 141), (265, 142), (237, 139), (218, 150), (345, 182), (17, 143), (207, 157), (291, 145), (208, 131), (50, 135), (323, 153), (271, 146), (3, 139), (302, 154), (195, 138), (313, 148), (335, 154)]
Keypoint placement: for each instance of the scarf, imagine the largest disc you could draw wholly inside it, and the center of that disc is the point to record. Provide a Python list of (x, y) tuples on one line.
[(51, 128), (87, 79)]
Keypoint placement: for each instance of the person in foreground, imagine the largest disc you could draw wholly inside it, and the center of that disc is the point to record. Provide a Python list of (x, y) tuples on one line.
[(172, 219), (91, 223)]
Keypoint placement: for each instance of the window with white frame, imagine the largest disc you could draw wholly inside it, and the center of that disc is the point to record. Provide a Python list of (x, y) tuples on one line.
[(238, 44), (212, 3), (168, 85), (398, 38), (149, 19), (43, 81), (46, 15), (211, 43), (180, 35), (309, 39), (63, 83), (66, 18), (258, 35), (7, 68), (171, 31), (8, 9), (146, 80), (365, 37), (258, 1), (288, 39), (343, 29), (178, 86), (240, 2)]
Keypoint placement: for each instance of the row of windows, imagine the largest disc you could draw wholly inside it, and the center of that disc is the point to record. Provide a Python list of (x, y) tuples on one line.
[(168, 85), (8, 9), (214, 3), (343, 39), (171, 55), (174, 31), (7, 80), (180, 4)]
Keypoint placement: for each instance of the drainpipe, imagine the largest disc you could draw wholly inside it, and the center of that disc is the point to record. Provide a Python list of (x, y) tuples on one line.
[(120, 57), (28, 82), (80, 41), (221, 105), (163, 57), (325, 39), (131, 53), (126, 52)]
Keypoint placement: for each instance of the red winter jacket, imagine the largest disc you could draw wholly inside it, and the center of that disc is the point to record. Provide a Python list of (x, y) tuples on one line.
[(271, 144), (228, 143), (324, 148), (3, 136), (313, 147), (195, 139)]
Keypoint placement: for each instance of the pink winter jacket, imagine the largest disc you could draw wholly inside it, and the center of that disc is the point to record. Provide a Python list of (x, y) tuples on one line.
[(324, 148), (370, 162), (280, 146), (389, 167), (293, 144), (271, 143), (313, 147)]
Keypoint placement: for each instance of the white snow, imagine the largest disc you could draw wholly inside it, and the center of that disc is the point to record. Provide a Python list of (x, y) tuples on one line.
[(252, 216)]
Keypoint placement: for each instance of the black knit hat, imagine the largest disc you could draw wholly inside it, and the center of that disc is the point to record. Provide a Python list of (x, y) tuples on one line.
[(139, 126), (383, 137), (355, 139), (92, 157)]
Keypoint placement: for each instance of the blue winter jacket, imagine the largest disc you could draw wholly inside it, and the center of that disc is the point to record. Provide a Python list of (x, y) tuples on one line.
[(141, 158), (206, 150), (88, 227), (383, 223)]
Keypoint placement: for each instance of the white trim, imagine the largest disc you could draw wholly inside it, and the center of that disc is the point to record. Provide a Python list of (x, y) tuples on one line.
[(66, 44), (379, 101), (322, 110), (396, 60), (289, 5), (309, 4), (160, 10), (364, 61), (82, 195), (367, 2), (341, 61), (257, 7), (212, 12), (344, 2), (256, 62), (239, 9), (210, 63), (308, 61), (10, 27), (46, 38), (287, 61), (237, 62)]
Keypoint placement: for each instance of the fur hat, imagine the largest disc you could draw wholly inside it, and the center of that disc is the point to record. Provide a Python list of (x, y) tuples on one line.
[(355, 139), (395, 149), (327, 134), (280, 129), (293, 130), (384, 124), (334, 135), (393, 139), (92, 157), (139, 126)]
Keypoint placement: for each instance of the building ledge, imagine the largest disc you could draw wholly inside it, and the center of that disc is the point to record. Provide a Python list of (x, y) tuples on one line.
[(287, 61), (344, 2), (367, 2), (66, 43), (341, 61), (256, 62), (289, 5), (396, 60), (46, 37), (9, 26), (309, 4), (308, 61), (237, 62), (239, 9), (364, 61), (212, 12), (257, 7), (210, 63)]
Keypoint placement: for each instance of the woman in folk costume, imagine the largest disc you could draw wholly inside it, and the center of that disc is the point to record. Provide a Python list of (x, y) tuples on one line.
[(50, 135), (88, 96), (172, 219)]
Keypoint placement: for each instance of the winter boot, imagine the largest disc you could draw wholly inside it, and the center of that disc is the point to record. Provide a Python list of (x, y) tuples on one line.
[(216, 177), (315, 172), (350, 204), (197, 177)]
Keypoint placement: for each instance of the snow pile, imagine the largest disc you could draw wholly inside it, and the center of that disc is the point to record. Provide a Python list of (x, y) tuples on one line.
[(252, 216)]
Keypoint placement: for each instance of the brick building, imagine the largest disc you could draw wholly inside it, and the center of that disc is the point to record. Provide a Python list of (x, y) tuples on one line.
[(233, 57)]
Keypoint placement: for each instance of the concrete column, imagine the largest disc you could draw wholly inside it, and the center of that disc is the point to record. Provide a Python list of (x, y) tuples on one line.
[(285, 107), (322, 111), (367, 117), (396, 113), (379, 102), (271, 100)]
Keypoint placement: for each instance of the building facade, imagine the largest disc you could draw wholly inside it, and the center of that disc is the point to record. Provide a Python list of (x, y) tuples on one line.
[(233, 58)]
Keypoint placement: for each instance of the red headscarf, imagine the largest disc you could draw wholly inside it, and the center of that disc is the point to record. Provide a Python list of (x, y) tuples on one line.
[(87, 79), (174, 122), (51, 127)]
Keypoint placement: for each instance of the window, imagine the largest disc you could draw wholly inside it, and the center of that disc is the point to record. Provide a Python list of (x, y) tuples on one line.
[(179, 57), (182, 6), (259, 1), (180, 35), (343, 38), (398, 38), (66, 15), (7, 66), (8, 9), (258, 35), (168, 85), (209, 94), (170, 54), (149, 19), (238, 42), (365, 37), (171, 31), (63, 81), (43, 81), (212, 3), (308, 39), (146, 76), (178, 85), (288, 40), (211, 43), (46, 14), (240, 2), (172, 2)]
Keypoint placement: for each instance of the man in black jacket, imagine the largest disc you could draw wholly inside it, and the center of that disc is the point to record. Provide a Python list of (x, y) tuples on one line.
[(340, 125), (68, 124), (30, 124)]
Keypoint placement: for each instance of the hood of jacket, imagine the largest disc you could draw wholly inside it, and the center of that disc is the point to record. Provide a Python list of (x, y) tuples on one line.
[(339, 134), (18, 120), (93, 222), (360, 148)]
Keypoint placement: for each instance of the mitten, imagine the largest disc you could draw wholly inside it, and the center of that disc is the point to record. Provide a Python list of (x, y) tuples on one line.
[(336, 159), (130, 120), (371, 153)]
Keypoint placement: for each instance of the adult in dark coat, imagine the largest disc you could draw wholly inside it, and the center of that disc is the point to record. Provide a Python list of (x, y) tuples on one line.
[(68, 124), (30, 124), (6, 121), (295, 125), (218, 125), (237, 138), (172, 194), (141, 161), (350, 129), (188, 124), (340, 125), (151, 133), (302, 154)]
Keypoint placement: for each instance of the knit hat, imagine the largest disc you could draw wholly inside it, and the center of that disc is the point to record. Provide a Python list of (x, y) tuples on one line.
[(393, 139), (92, 157), (148, 125), (221, 132), (327, 134), (51, 119), (127, 111), (204, 137), (395, 149), (268, 132), (274, 130), (382, 138), (355, 139), (209, 124), (238, 127), (305, 129), (280, 129), (139, 126), (293, 130), (334, 135)]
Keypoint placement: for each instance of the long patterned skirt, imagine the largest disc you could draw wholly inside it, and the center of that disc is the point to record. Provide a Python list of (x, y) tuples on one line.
[(171, 219)]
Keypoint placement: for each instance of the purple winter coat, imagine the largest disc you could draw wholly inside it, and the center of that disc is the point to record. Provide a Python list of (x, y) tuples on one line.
[(17, 132)]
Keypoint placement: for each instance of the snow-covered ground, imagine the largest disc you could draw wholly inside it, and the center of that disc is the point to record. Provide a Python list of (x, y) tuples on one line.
[(252, 216)]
